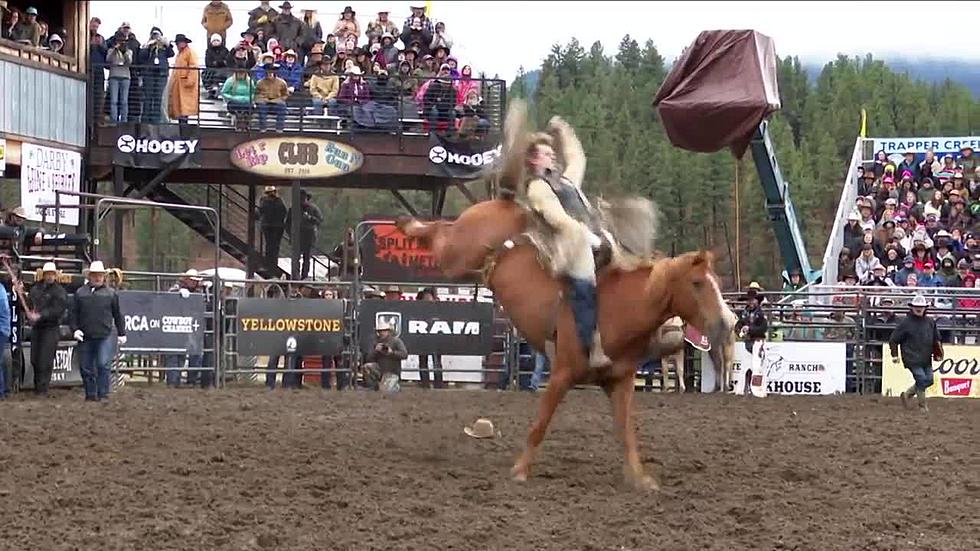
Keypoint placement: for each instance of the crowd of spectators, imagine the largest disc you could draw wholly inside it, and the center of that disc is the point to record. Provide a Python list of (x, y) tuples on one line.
[(28, 28), (370, 76), (915, 223)]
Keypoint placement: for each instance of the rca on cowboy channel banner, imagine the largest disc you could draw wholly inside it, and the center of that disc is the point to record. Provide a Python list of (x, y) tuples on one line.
[(957, 376), (157, 146)]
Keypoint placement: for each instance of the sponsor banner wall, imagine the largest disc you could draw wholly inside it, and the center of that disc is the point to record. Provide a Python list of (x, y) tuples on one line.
[(957, 376), (264, 325), (157, 145), (389, 255), (44, 170), (160, 321), (460, 159), (67, 366), (431, 327), (807, 368), (461, 369)]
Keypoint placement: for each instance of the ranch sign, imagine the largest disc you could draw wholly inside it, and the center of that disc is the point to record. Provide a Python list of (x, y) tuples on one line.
[(296, 158)]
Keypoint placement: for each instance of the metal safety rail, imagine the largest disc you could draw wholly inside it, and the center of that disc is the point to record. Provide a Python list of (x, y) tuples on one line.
[(399, 108)]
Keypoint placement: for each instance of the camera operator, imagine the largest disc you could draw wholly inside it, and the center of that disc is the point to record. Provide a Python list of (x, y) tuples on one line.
[(384, 362)]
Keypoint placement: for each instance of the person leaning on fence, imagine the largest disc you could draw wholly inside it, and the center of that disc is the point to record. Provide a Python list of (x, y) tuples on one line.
[(95, 310), (384, 362), (189, 283), (918, 336)]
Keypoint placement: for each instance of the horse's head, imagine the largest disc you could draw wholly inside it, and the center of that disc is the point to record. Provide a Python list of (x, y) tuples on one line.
[(689, 284)]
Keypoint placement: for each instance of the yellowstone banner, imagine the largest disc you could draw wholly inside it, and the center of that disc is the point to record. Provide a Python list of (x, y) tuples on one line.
[(389, 255), (957, 376), (265, 325)]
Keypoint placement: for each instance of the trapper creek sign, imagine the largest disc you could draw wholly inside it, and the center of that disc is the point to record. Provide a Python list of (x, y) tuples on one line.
[(265, 325), (296, 157)]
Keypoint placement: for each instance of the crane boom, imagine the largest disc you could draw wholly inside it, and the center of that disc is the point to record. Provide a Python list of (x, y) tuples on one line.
[(779, 206)]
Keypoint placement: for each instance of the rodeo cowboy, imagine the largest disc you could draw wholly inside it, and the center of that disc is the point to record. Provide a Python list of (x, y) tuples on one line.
[(918, 336), (551, 188)]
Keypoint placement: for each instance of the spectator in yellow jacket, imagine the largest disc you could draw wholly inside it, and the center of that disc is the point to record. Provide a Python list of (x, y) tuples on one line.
[(217, 19), (324, 86)]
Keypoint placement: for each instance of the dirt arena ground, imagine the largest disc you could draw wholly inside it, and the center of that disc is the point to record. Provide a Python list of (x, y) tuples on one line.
[(248, 469)]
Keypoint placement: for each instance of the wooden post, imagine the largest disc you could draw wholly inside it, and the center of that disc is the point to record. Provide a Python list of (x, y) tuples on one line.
[(294, 229)]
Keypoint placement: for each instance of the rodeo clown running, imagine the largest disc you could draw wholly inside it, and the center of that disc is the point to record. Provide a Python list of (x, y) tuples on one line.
[(918, 336), (752, 326), (552, 189)]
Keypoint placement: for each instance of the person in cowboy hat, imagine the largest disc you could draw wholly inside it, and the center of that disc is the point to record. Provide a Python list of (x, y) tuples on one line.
[(263, 17), (188, 284), (95, 310), (380, 26), (918, 336), (347, 25), (185, 89), (289, 29), (50, 302), (417, 27), (383, 365), (753, 326), (26, 237), (272, 221)]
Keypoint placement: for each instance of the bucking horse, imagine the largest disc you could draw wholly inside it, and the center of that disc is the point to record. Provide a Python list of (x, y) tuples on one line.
[(490, 241)]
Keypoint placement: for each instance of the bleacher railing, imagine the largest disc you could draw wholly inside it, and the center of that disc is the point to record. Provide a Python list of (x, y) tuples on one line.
[(400, 107), (848, 197)]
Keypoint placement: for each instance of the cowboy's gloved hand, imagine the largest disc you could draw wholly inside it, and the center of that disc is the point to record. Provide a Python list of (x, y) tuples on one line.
[(594, 241), (79, 336), (122, 340), (185, 292)]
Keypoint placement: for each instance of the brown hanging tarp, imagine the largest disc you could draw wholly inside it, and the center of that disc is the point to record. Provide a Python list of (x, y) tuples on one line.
[(717, 93)]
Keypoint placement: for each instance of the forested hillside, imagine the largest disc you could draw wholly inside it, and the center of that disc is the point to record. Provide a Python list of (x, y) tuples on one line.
[(608, 96)]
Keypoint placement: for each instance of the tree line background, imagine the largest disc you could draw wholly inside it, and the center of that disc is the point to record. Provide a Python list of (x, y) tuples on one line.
[(607, 97)]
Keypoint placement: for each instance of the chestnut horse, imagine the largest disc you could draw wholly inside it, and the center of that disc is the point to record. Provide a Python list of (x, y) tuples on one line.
[(632, 306)]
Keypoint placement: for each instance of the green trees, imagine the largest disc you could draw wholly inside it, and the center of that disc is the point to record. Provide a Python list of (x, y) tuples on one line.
[(608, 99)]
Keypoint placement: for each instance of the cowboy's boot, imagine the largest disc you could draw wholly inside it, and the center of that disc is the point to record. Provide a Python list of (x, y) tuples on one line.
[(582, 299), (907, 397), (920, 396)]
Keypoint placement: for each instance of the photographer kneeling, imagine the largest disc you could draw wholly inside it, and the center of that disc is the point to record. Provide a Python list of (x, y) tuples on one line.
[(384, 362)]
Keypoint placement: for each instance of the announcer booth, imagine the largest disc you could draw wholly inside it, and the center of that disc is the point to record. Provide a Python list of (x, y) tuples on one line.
[(462, 326)]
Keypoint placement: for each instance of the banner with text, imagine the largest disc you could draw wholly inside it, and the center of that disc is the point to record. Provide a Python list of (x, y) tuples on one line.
[(387, 254), (43, 171), (67, 366), (808, 368), (957, 376), (431, 327), (265, 325), (460, 158), (162, 321), (157, 145), (895, 148)]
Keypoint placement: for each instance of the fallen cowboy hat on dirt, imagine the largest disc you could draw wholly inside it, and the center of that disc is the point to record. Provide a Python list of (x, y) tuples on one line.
[(481, 428)]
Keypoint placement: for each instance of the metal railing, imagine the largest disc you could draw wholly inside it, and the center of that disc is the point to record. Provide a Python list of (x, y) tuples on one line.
[(846, 204), (409, 105)]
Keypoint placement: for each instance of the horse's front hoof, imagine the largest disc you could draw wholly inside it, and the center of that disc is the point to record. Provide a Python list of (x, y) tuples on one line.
[(519, 472), (643, 482)]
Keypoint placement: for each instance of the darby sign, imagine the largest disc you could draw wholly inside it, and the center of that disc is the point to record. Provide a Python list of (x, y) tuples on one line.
[(296, 157)]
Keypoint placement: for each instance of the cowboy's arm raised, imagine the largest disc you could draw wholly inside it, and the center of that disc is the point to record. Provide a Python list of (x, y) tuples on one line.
[(573, 156), (544, 201)]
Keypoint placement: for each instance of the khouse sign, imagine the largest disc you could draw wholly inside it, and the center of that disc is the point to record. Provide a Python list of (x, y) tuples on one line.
[(296, 157)]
